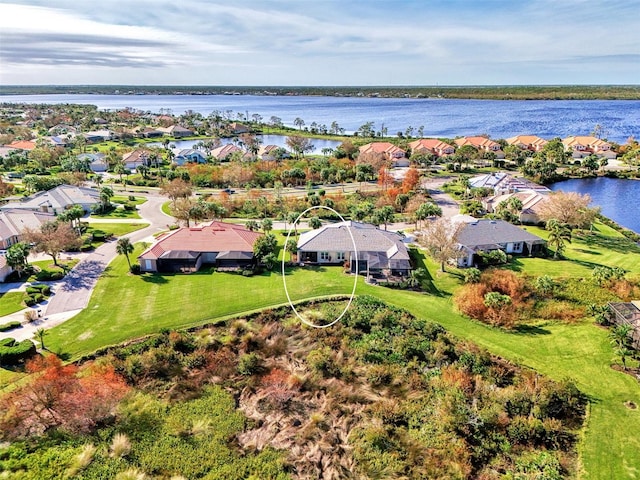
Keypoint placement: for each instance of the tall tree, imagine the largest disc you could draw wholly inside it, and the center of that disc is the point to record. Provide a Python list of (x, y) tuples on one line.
[(176, 188), (568, 207), (440, 239), (124, 247), (17, 256), (53, 238), (559, 235)]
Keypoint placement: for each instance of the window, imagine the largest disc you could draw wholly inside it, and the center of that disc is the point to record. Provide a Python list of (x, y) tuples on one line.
[(324, 256), (340, 256)]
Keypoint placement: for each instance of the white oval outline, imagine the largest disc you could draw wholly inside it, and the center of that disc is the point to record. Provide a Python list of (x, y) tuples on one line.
[(284, 276)]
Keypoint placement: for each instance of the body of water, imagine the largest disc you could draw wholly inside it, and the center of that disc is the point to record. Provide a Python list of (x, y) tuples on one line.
[(279, 140), (449, 118), (619, 199)]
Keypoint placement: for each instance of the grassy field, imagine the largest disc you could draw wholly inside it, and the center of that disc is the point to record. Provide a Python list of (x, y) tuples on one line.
[(117, 229), (581, 351), (10, 302)]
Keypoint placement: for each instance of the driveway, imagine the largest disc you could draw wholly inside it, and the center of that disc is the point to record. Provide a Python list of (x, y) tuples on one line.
[(448, 205)]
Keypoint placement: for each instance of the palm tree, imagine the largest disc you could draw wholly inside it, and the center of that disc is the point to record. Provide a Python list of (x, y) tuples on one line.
[(124, 247), (560, 233), (41, 332)]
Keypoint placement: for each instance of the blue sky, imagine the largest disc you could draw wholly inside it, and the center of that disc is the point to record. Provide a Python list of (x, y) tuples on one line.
[(320, 42)]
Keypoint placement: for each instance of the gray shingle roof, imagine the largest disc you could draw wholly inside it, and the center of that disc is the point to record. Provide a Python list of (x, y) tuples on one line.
[(494, 232), (368, 239)]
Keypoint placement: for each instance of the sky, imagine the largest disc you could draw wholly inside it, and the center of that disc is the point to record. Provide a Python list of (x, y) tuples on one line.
[(319, 42)]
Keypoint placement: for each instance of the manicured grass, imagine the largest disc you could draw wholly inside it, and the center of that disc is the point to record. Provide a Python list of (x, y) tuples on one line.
[(118, 213), (117, 229), (166, 208), (581, 351), (125, 199), (10, 302)]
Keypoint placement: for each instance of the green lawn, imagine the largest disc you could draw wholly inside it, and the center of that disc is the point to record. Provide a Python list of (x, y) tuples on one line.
[(117, 229), (125, 199), (610, 445), (10, 302)]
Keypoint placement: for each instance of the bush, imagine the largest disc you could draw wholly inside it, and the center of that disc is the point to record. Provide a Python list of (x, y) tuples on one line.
[(135, 269), (9, 326), (99, 236), (249, 364), (12, 353), (132, 198), (29, 301), (129, 207)]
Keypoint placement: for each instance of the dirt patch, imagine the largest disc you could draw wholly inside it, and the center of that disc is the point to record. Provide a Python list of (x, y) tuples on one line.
[(630, 405)]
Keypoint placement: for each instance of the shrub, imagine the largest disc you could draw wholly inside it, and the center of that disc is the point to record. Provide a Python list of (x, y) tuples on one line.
[(12, 352), (98, 236), (129, 207), (120, 446), (132, 198), (82, 460), (135, 268), (9, 326), (30, 315), (249, 364), (471, 275), (29, 301)]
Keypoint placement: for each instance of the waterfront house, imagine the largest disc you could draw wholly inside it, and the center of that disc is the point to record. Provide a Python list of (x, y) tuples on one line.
[(225, 245), (98, 136), (223, 152), (583, 146), (391, 153), (431, 146), (502, 183), (484, 236), (176, 131), (483, 144), (527, 142), (378, 251), (531, 200)]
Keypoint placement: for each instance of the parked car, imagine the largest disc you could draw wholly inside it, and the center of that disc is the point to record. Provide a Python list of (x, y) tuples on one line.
[(228, 191)]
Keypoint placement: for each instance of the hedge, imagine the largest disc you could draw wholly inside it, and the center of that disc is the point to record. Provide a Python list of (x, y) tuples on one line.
[(13, 352), (9, 326)]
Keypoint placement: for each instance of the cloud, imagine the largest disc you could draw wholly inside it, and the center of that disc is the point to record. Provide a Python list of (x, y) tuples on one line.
[(333, 41)]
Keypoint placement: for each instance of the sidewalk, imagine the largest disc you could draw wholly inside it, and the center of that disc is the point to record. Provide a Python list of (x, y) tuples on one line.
[(28, 330)]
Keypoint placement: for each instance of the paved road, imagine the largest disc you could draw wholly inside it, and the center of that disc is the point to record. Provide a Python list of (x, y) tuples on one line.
[(74, 291), (448, 205)]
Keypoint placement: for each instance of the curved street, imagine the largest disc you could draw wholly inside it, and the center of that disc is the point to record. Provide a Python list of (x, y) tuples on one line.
[(71, 294)]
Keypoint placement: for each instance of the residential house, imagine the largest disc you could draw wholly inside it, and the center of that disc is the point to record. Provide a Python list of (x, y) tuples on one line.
[(58, 141), (268, 152), (483, 144), (133, 160), (26, 145), (97, 136), (5, 151), (391, 153), (225, 245), (57, 200), (378, 251), (5, 269), (62, 129), (486, 235), (223, 152), (431, 146), (176, 131), (149, 132), (502, 183), (583, 146), (527, 142), (189, 155), (531, 200), (236, 128), (14, 221), (97, 161)]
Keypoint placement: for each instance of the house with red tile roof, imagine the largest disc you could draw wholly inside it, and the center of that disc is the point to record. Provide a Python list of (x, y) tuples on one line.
[(431, 146), (392, 153), (481, 143), (583, 146), (527, 142), (186, 249), (27, 145)]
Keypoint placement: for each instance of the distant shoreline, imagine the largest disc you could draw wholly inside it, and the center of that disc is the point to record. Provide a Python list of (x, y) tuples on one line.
[(502, 92)]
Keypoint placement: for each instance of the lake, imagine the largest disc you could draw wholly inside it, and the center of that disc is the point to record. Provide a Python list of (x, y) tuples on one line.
[(279, 140), (440, 117), (618, 198)]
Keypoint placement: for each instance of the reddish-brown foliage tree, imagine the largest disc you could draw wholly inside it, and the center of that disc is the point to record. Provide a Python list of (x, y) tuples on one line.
[(411, 180), (385, 179), (58, 397)]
